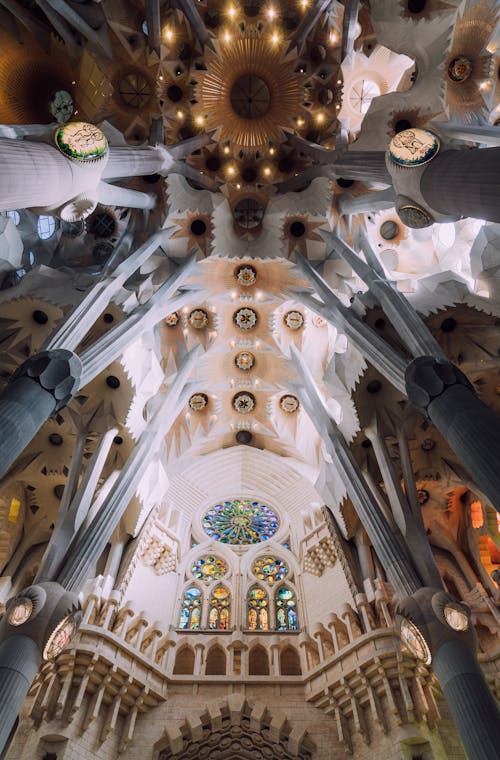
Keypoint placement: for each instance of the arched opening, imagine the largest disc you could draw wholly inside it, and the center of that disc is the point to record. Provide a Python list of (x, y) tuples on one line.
[(289, 662), (216, 662), (258, 662), (184, 662)]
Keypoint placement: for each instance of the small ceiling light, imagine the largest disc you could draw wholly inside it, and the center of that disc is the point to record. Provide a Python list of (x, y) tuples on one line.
[(169, 35), (179, 114), (272, 151), (304, 3), (231, 11), (238, 186), (226, 150), (275, 38), (320, 118), (199, 121), (226, 37), (267, 171), (333, 37), (271, 13), (231, 170), (300, 122)]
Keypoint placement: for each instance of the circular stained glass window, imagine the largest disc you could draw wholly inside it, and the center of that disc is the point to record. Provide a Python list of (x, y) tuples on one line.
[(269, 569), (209, 569), (240, 521)]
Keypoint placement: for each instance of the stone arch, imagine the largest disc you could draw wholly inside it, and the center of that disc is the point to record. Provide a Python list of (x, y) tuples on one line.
[(290, 662), (234, 727), (258, 661), (184, 662), (216, 661)]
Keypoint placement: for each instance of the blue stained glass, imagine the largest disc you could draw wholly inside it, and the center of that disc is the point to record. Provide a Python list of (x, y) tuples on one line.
[(240, 521)]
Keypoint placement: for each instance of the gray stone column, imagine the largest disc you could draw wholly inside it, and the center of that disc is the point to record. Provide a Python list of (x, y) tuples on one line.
[(447, 642), (465, 183), (32, 618), (443, 393), (41, 386)]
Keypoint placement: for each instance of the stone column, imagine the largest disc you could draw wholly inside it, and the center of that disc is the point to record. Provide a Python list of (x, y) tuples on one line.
[(464, 183), (443, 394), (31, 619), (437, 629), (41, 386)]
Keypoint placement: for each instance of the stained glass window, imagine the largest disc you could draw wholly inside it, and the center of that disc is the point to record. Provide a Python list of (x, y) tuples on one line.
[(209, 569), (220, 602), (240, 521), (269, 569), (257, 609), (190, 615), (286, 613)]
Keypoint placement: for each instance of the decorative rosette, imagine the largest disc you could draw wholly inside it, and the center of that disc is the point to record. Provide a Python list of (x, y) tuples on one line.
[(198, 402), (244, 360), (245, 318), (289, 403), (244, 402), (198, 319), (246, 275), (294, 320)]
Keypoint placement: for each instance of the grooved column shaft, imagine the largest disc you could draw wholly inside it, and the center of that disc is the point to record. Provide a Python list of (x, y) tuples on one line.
[(33, 174), (24, 407), (19, 662), (471, 703), (134, 162), (473, 432), (465, 182)]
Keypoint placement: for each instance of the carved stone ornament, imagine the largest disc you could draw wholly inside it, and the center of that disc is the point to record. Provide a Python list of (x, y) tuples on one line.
[(294, 320), (198, 319), (245, 318), (244, 360), (246, 275), (244, 402), (81, 141), (171, 320), (198, 402), (289, 403)]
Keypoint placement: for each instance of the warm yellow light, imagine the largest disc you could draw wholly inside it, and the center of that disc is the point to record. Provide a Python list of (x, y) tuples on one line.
[(333, 37), (275, 38), (169, 35), (267, 171), (226, 37), (300, 122), (271, 13), (231, 11), (238, 186), (15, 506), (320, 118), (304, 3), (226, 150), (199, 121), (179, 114), (272, 151), (231, 170)]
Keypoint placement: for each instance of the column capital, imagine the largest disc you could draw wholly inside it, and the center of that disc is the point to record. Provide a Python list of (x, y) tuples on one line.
[(57, 371), (427, 378)]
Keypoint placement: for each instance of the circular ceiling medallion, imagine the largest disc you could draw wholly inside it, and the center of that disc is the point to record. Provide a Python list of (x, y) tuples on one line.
[(21, 611), (294, 320), (456, 617), (135, 90), (246, 275), (244, 402), (427, 444), (289, 403), (198, 402), (422, 496), (62, 634), (198, 319), (414, 216), (413, 147), (240, 521), (171, 320), (414, 641), (245, 318), (389, 229), (460, 69), (81, 141), (250, 97), (244, 360)]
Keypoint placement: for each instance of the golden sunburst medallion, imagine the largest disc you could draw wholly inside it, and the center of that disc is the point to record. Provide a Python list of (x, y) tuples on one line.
[(249, 94)]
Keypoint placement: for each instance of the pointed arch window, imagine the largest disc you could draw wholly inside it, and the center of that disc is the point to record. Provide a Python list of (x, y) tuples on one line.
[(190, 614), (286, 609), (220, 606), (257, 609)]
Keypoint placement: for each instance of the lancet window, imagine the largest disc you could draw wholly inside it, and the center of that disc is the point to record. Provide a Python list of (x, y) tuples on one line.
[(191, 609)]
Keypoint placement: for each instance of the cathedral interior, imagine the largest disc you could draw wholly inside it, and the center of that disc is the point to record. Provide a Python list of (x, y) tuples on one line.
[(249, 391)]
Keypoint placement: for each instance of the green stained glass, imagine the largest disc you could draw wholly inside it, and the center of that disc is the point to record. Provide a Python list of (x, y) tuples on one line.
[(240, 521), (190, 614), (286, 615)]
